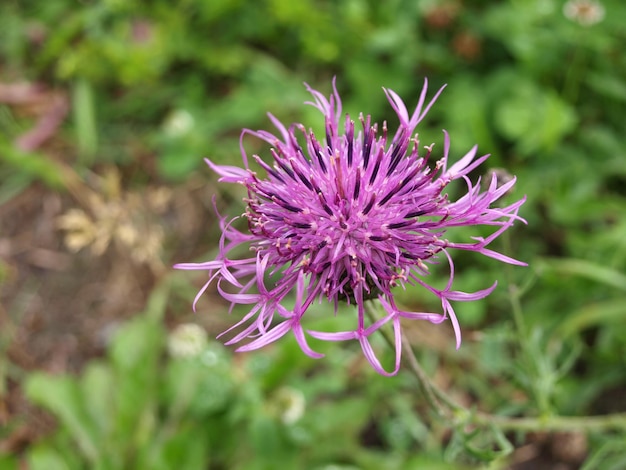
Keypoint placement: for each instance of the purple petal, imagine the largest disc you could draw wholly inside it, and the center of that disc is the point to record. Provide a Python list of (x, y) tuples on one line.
[(447, 308), (300, 338), (467, 296), (268, 338), (229, 174), (370, 355)]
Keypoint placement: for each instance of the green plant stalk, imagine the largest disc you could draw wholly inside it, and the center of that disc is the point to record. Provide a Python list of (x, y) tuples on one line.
[(527, 347), (443, 405), (602, 423), (576, 69), (431, 393), (85, 121)]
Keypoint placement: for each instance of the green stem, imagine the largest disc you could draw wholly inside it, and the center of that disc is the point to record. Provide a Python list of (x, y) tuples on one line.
[(429, 390), (437, 395), (425, 385), (528, 349), (514, 296), (603, 423), (573, 75), (444, 406)]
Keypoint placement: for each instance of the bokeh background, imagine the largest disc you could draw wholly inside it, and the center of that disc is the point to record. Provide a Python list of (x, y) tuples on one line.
[(106, 111)]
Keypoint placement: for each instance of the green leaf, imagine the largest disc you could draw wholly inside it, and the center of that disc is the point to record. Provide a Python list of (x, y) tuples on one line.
[(265, 437), (608, 456), (535, 118), (45, 458), (465, 113), (85, 120), (600, 313), (30, 166), (486, 445), (8, 462), (586, 269), (186, 448), (137, 344), (611, 86), (13, 185), (134, 353), (61, 395), (97, 383), (191, 386)]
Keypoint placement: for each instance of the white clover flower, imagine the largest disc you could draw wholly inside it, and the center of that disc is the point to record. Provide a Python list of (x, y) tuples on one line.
[(584, 12), (187, 340), (179, 123), (290, 403)]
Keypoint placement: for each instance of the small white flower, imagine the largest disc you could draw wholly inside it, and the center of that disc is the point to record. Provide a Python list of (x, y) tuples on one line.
[(290, 403), (584, 12), (187, 340), (179, 123)]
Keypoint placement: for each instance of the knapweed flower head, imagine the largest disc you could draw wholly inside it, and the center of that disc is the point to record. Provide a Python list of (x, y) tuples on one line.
[(348, 218)]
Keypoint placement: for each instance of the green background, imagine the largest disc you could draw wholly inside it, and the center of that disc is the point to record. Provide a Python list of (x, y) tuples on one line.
[(146, 89)]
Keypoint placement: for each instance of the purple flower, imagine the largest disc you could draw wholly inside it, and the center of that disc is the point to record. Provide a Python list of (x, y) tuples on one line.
[(348, 218)]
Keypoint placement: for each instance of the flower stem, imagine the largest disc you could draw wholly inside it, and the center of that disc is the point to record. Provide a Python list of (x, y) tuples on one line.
[(602, 423), (437, 398), (428, 389), (572, 81), (426, 386), (445, 406)]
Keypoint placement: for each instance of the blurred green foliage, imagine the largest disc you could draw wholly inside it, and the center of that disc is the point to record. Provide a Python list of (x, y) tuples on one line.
[(140, 408), (162, 84)]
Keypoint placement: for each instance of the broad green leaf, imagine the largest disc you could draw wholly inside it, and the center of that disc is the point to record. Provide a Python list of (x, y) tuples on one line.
[(46, 458), (136, 345), (611, 312), (584, 268), (61, 395), (611, 86), (135, 353), (185, 448), (265, 436), (33, 165), (8, 462), (536, 119), (97, 384), (85, 120)]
